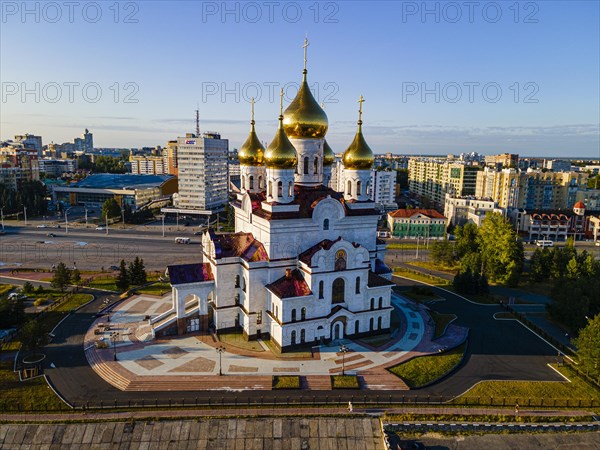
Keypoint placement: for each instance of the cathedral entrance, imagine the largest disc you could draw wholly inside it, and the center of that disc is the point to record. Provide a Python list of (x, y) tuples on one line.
[(337, 331)]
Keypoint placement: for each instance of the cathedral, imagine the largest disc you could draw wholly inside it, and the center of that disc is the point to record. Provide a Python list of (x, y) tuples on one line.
[(304, 265)]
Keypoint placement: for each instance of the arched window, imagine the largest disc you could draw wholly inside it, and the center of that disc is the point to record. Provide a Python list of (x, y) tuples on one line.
[(316, 166), (302, 335), (358, 188), (276, 312), (379, 323), (293, 337), (279, 189), (337, 291), (358, 285), (270, 193), (260, 182), (371, 324), (349, 189), (237, 281), (321, 286), (290, 189), (244, 285), (293, 315), (340, 260), (372, 303), (356, 327), (243, 182), (303, 314), (380, 302), (251, 182), (306, 165), (326, 224)]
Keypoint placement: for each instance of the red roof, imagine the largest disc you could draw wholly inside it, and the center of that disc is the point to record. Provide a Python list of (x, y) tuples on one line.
[(579, 205), (290, 285), (242, 245), (432, 213)]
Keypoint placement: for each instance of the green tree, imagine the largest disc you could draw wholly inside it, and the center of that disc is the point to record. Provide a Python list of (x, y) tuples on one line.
[(137, 272), (442, 253), (28, 288), (32, 335), (502, 252), (123, 277), (12, 312), (61, 278), (466, 240), (76, 277), (110, 208), (588, 347)]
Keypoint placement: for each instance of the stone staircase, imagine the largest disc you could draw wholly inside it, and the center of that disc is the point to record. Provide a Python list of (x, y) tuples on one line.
[(201, 383), (104, 370), (316, 382), (380, 379)]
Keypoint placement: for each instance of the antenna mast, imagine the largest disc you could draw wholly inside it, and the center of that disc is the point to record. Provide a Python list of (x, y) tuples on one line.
[(197, 122)]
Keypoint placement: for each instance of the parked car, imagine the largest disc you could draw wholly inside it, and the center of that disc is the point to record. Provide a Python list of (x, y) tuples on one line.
[(42, 226), (114, 267), (51, 235), (100, 228)]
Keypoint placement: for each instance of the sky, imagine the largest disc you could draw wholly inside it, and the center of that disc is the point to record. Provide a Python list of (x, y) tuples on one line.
[(437, 77)]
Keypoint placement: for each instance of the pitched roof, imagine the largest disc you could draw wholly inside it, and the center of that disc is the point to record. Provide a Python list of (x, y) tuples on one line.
[(579, 205), (292, 284), (376, 281), (380, 267), (306, 255), (242, 245), (405, 213), (189, 273)]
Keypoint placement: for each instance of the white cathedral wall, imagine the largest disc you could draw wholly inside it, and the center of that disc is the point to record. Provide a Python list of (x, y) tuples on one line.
[(311, 149)]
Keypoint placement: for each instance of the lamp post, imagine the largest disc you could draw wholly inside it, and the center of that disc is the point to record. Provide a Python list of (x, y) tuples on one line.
[(343, 350), (417, 256), (123, 215), (86, 219), (2, 214), (163, 225), (67, 221), (106, 224), (114, 335), (25, 214), (220, 350)]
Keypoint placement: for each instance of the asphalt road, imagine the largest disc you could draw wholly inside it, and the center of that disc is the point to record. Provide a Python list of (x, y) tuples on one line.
[(92, 249)]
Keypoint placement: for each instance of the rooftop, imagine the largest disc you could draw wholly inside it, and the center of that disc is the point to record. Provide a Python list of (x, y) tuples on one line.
[(122, 181)]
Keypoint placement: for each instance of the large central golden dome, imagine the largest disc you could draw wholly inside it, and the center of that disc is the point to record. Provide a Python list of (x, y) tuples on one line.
[(304, 118)]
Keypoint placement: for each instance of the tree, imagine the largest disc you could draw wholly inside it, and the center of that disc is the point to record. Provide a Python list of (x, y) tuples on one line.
[(137, 272), (28, 288), (588, 347), (61, 278), (442, 253), (501, 250), (32, 335), (76, 277), (466, 240), (12, 312), (123, 277), (110, 208)]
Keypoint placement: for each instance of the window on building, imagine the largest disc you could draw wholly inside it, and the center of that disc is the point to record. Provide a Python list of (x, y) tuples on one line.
[(340, 260), (321, 288), (251, 182), (316, 166), (279, 189), (337, 291), (380, 302), (237, 299), (372, 303), (359, 188), (358, 285), (302, 336), (237, 281), (349, 188), (293, 337), (293, 315), (356, 327), (306, 165), (326, 224), (379, 323), (303, 314), (244, 285), (371, 324), (270, 193), (243, 182), (290, 189), (259, 317), (260, 182), (276, 312)]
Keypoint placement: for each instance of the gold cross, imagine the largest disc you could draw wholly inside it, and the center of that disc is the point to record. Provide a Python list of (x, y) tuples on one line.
[(281, 102), (361, 100), (252, 109), (305, 46)]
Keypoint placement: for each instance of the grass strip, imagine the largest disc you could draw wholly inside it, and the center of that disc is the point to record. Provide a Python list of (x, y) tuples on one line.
[(286, 382)]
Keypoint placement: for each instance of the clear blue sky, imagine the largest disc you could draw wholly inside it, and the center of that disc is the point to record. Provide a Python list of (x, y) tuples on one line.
[(179, 52)]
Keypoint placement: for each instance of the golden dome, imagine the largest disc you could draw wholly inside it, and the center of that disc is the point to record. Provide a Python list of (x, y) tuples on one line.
[(359, 155), (304, 118), (252, 151), (328, 155), (281, 154)]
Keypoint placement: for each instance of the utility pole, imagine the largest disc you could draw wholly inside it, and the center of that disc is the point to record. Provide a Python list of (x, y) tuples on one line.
[(25, 214), (163, 225)]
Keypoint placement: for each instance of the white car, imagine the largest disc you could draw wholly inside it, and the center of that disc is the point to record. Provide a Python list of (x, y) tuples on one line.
[(100, 228), (42, 226), (597, 244)]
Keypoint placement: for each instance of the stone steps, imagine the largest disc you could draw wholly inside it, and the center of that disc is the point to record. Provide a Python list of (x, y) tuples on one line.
[(382, 380), (317, 383), (105, 372), (209, 382)]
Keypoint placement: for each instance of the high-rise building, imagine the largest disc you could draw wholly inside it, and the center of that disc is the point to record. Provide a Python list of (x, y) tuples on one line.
[(202, 168), (171, 155), (30, 141), (18, 164), (504, 160), (148, 165), (383, 188), (558, 165)]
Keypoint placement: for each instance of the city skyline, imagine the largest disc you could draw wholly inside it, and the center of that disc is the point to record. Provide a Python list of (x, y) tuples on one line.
[(408, 53)]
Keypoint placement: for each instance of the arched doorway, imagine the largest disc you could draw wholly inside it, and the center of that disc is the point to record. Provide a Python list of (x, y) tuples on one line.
[(337, 331)]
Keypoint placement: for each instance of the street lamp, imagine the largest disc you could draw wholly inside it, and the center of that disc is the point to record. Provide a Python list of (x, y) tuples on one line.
[(343, 350), (220, 350), (114, 335), (163, 225), (417, 256), (86, 219), (25, 214), (2, 213)]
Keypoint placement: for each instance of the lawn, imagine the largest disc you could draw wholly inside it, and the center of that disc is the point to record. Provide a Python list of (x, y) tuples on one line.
[(419, 294), (548, 393), (432, 266), (237, 340), (426, 369), (418, 276), (441, 321), (293, 354), (155, 289), (106, 283), (6, 288), (27, 395), (344, 382), (400, 246), (286, 382)]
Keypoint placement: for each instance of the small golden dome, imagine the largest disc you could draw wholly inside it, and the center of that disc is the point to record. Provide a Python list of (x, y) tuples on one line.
[(281, 154), (304, 118), (359, 155), (328, 155), (252, 151)]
